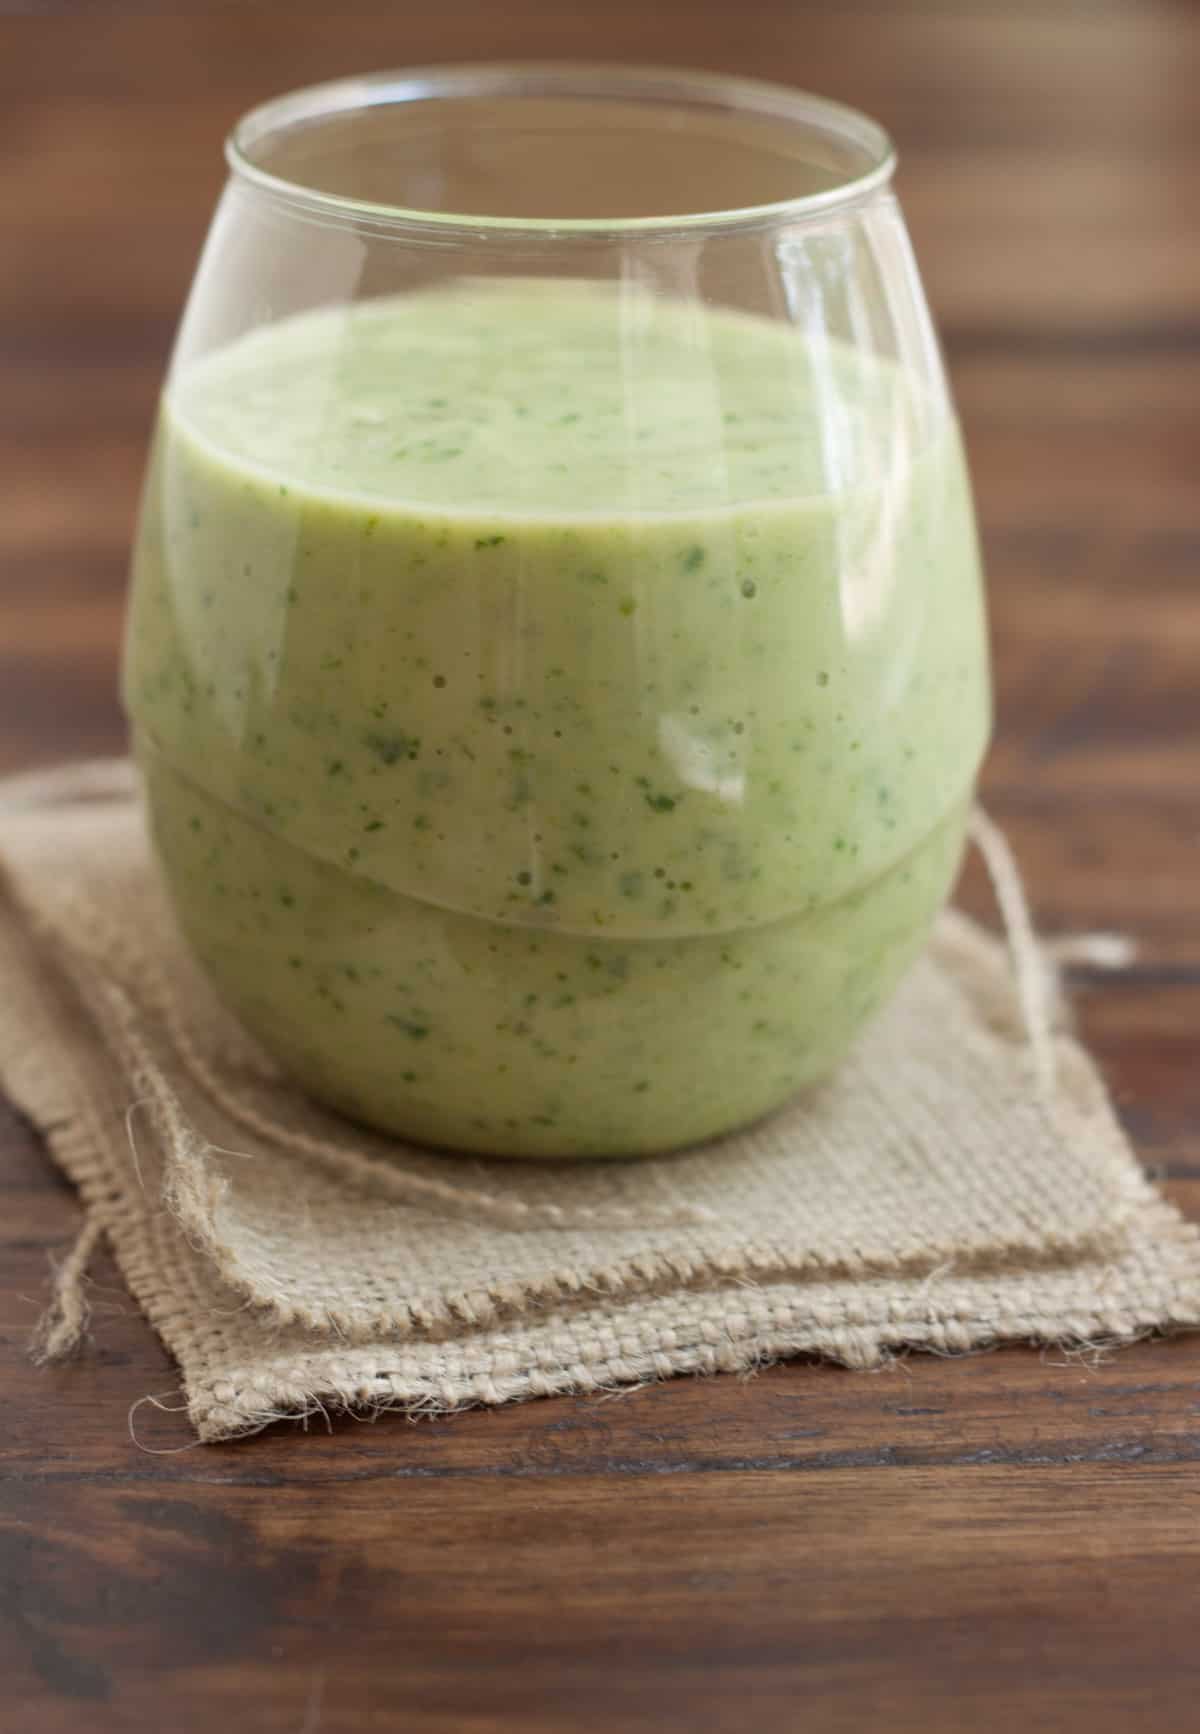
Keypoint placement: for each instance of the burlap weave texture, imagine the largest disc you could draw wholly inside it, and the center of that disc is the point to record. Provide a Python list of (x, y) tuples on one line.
[(933, 1195)]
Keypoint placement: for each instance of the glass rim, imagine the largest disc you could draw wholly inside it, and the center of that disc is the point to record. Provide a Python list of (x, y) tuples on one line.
[(563, 79)]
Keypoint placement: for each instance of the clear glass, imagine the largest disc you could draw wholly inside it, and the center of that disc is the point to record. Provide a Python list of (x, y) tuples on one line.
[(556, 653)]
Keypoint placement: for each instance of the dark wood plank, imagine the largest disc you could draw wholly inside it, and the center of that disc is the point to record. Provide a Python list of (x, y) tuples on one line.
[(997, 1542), (929, 1600)]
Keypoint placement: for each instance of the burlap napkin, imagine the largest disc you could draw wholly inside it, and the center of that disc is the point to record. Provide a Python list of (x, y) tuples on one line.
[(961, 1182)]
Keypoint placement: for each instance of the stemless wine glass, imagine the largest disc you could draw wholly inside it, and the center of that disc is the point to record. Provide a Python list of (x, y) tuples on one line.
[(556, 655)]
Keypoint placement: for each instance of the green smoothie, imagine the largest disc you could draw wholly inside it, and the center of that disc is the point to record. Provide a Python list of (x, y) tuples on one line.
[(559, 707)]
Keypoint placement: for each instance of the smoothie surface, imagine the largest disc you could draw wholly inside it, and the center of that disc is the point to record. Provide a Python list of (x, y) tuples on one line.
[(551, 399)]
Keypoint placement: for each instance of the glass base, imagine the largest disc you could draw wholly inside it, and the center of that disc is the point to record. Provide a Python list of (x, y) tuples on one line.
[(523, 1041)]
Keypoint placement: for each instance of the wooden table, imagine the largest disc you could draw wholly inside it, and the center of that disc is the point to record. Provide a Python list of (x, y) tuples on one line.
[(1008, 1541)]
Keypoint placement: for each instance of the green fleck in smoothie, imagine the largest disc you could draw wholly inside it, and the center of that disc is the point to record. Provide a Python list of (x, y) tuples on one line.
[(559, 707)]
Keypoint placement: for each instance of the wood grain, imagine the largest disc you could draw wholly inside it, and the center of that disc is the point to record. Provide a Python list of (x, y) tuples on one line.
[(1005, 1541)]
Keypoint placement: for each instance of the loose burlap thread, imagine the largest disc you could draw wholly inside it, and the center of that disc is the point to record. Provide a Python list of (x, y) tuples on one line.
[(962, 1180)]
